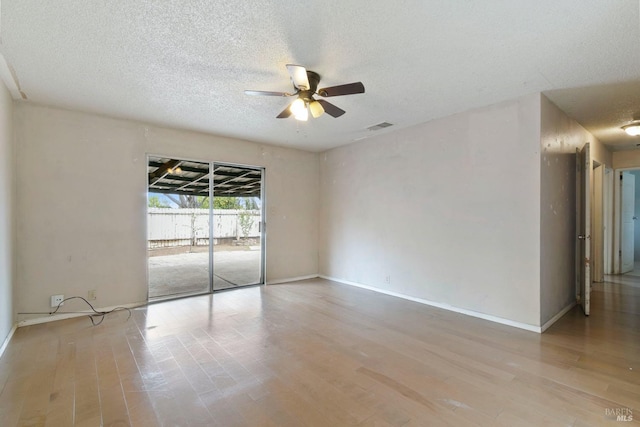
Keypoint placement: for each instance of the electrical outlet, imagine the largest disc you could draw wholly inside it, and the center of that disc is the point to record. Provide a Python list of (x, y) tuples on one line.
[(56, 300), (91, 295), (387, 280)]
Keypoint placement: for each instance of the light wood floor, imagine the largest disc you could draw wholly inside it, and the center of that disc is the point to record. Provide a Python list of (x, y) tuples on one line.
[(321, 354)]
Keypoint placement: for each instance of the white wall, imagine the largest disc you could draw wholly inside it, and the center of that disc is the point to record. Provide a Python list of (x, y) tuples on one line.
[(6, 213), (81, 203), (448, 209), (560, 136)]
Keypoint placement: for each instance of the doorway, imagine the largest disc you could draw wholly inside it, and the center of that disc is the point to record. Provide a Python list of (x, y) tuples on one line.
[(205, 227), (627, 235), (593, 229)]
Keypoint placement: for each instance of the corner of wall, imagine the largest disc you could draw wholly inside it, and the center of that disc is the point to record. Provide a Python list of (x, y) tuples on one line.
[(411, 245), (560, 136), (7, 217)]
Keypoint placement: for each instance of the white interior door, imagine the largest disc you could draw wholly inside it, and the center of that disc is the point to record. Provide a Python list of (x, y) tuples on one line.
[(583, 227), (627, 208)]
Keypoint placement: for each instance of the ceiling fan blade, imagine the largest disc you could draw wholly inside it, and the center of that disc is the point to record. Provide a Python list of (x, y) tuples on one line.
[(298, 76), (285, 113), (348, 89), (266, 93), (331, 109)]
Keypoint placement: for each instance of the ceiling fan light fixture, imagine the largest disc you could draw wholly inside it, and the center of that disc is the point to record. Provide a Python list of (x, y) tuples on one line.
[(316, 109), (302, 115), (632, 129), (297, 107)]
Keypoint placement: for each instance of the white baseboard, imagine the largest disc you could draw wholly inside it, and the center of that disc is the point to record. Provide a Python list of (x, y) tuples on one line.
[(292, 279), (6, 341), (557, 317), (62, 316), (472, 313)]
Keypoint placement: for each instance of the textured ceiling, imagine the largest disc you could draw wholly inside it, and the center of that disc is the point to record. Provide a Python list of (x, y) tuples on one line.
[(185, 64)]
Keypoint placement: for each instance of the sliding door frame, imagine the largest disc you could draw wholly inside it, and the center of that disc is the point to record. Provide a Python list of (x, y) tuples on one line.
[(262, 224)]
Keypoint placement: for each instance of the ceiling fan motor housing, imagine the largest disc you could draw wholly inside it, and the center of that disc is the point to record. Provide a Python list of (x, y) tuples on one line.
[(314, 79)]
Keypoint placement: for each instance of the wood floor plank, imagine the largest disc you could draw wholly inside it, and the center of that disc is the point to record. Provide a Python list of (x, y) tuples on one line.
[(315, 353)]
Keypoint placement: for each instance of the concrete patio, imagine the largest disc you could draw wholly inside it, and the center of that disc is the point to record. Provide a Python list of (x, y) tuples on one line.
[(177, 274)]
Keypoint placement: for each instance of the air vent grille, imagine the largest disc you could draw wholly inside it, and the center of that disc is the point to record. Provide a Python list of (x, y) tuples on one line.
[(380, 126)]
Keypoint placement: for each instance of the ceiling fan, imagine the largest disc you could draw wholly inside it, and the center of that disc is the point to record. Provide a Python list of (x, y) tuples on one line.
[(305, 83)]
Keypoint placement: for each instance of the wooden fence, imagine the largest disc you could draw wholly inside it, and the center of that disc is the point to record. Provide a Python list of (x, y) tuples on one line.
[(190, 227)]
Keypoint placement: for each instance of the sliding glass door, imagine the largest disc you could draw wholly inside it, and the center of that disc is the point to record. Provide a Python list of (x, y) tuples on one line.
[(178, 227), (195, 246), (237, 229)]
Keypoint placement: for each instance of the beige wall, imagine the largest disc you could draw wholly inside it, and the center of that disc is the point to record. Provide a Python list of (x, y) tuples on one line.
[(560, 136), (6, 213), (81, 203), (472, 211), (448, 209), (626, 159)]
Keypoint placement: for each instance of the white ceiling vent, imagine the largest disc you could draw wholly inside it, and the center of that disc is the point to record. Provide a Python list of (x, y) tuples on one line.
[(380, 126)]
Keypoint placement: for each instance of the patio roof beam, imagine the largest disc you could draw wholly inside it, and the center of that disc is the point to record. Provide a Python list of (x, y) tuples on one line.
[(205, 193), (196, 181), (163, 171), (203, 169)]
